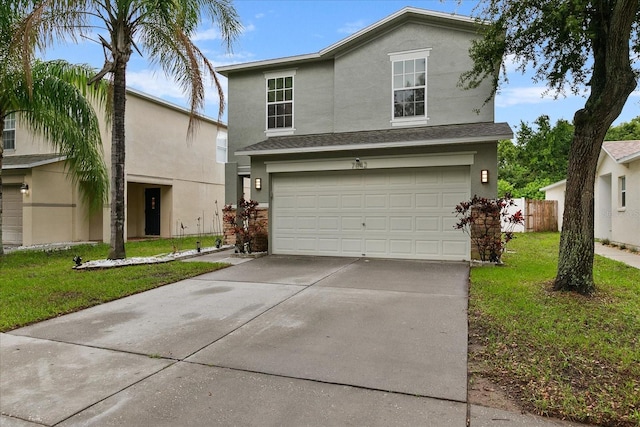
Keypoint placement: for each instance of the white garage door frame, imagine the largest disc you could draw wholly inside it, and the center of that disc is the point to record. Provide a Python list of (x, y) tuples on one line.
[(389, 207)]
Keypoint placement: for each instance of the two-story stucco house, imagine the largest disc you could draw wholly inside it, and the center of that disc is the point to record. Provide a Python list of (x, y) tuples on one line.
[(172, 182), (366, 147)]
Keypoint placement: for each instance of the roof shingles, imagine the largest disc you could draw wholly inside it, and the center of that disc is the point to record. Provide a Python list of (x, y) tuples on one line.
[(619, 150), (429, 135)]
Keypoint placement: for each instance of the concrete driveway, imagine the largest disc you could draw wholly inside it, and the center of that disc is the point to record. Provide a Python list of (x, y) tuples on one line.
[(285, 341)]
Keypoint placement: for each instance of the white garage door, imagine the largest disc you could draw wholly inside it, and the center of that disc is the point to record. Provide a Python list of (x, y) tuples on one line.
[(11, 215), (386, 213)]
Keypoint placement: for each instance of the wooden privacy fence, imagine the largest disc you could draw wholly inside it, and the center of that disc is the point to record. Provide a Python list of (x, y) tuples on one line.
[(541, 215)]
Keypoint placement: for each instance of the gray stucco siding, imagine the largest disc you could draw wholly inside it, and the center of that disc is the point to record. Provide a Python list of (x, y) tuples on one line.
[(363, 79), (485, 157)]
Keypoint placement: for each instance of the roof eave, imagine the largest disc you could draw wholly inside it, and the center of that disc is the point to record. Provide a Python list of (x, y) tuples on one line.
[(35, 164), (369, 146), (331, 50)]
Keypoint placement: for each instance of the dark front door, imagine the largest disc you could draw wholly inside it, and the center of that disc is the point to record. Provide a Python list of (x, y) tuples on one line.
[(152, 211)]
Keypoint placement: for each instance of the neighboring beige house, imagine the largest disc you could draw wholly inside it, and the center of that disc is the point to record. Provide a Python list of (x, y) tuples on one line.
[(173, 182), (617, 193)]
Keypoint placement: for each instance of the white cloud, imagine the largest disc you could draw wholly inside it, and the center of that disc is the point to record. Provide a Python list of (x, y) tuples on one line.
[(156, 83), (260, 15), (352, 27), (208, 34), (523, 95)]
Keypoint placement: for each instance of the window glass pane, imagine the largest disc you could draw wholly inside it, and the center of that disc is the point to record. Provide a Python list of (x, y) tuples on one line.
[(408, 66), (279, 83), (280, 109), (271, 110), (279, 95), (288, 82), (420, 79), (419, 108), (397, 68), (271, 84), (419, 94), (408, 109), (288, 121), (397, 110), (280, 122), (408, 81), (271, 97), (420, 64), (288, 95), (398, 82), (271, 123), (288, 108)]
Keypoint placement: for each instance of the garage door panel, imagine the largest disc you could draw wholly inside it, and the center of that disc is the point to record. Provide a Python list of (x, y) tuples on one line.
[(306, 223), (454, 248), (428, 248), (392, 213), (376, 223), (428, 224), (428, 200), (402, 201), (329, 223), (451, 199), (401, 223)]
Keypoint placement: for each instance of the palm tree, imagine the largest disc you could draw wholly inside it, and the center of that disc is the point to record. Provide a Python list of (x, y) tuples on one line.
[(53, 100), (160, 29)]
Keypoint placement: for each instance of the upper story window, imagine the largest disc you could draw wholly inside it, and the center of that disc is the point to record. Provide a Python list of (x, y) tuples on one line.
[(280, 102), (9, 132), (222, 148), (622, 185), (409, 87)]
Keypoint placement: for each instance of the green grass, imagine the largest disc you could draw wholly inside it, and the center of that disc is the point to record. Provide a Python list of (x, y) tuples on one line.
[(38, 285), (562, 354)]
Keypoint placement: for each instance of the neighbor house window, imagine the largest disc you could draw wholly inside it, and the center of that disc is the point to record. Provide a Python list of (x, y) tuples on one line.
[(409, 87), (622, 185), (280, 102), (221, 148), (9, 132)]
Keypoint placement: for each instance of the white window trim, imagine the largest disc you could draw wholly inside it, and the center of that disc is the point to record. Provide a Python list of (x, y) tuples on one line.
[(622, 191), (403, 56), (280, 131), (6, 119), (222, 136)]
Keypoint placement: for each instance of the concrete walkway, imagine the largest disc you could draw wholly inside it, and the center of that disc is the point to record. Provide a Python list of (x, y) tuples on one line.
[(275, 341), (619, 255)]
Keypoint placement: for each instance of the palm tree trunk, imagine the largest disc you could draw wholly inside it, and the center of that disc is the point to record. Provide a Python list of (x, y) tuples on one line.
[(118, 183)]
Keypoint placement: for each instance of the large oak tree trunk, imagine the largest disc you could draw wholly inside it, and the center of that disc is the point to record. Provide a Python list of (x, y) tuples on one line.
[(117, 161), (612, 82)]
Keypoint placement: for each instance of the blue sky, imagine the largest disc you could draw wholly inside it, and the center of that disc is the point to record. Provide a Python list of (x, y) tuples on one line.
[(274, 29)]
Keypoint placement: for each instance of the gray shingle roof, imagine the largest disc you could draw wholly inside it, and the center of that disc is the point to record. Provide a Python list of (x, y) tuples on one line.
[(29, 161), (414, 136), (620, 150)]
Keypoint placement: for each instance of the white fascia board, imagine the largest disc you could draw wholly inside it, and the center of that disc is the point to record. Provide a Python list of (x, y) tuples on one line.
[(146, 179), (376, 162), (398, 144), (630, 158), (554, 185), (35, 164), (328, 51)]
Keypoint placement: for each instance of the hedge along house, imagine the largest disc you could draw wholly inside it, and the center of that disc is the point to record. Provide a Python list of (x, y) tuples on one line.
[(366, 147), (172, 182)]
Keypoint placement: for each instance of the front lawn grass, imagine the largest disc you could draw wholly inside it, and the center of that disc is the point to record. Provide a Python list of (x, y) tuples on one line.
[(38, 285), (560, 354)]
